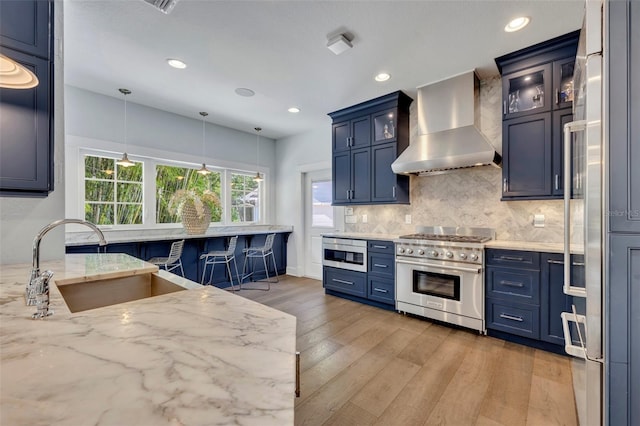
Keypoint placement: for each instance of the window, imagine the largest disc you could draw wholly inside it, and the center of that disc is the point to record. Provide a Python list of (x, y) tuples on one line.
[(169, 179), (245, 198), (113, 194), (322, 214)]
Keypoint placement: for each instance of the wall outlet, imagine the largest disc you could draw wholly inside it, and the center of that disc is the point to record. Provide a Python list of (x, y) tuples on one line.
[(407, 218), (364, 218), (350, 219), (538, 221), (348, 211)]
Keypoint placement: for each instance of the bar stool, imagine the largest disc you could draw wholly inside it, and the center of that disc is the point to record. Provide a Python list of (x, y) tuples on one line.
[(221, 256), (260, 252), (172, 261)]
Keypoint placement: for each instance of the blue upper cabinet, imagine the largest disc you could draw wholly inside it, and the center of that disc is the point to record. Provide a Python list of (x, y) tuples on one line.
[(366, 139), (537, 96), (25, 27), (26, 115)]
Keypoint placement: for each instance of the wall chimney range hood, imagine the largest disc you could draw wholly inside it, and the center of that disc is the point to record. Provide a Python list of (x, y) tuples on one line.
[(449, 130)]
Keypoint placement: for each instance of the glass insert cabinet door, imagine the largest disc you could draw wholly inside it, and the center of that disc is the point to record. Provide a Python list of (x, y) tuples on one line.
[(384, 126), (527, 91), (563, 82)]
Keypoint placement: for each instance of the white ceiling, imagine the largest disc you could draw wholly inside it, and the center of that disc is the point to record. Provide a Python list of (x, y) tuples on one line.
[(278, 49)]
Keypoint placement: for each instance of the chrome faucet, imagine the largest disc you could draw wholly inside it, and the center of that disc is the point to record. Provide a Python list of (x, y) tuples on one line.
[(39, 282)]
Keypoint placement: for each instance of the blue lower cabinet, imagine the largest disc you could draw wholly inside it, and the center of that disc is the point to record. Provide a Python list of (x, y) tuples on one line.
[(522, 320), (195, 247), (381, 290), (343, 281)]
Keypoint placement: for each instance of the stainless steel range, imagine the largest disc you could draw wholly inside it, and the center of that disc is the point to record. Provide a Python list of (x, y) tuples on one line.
[(440, 274)]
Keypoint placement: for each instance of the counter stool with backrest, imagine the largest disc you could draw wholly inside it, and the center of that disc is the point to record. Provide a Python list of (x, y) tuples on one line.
[(172, 261), (221, 256), (263, 252)]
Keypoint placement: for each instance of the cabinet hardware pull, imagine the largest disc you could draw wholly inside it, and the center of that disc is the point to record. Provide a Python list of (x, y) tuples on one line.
[(504, 107), (394, 191), (557, 97), (342, 281), (560, 262), (514, 258), (557, 182), (380, 290), (511, 317), (504, 185), (379, 247), (379, 265), (511, 283), (297, 374)]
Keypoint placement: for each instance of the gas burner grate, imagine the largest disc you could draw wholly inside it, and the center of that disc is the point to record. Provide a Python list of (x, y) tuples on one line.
[(449, 238)]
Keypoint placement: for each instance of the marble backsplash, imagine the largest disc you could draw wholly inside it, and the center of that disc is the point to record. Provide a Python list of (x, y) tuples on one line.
[(466, 197)]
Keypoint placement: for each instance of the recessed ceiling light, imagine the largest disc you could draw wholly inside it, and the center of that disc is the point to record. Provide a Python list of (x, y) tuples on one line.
[(243, 91), (517, 24), (294, 110), (177, 63), (383, 76)]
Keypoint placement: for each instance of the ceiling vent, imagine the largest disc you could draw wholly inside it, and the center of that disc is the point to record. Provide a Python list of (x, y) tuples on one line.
[(164, 6)]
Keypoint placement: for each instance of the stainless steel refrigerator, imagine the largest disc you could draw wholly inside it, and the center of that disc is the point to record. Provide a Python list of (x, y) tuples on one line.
[(583, 204)]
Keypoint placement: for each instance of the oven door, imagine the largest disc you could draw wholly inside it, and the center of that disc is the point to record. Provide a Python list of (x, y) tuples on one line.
[(449, 287)]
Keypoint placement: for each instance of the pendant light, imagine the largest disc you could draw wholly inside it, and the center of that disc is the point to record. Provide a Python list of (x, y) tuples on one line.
[(14, 75), (203, 170), (258, 177), (124, 161)]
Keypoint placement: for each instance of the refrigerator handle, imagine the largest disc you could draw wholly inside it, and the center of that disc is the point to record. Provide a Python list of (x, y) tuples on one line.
[(567, 288)]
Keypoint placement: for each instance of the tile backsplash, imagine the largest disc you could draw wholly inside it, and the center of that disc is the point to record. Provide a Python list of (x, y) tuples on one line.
[(466, 197)]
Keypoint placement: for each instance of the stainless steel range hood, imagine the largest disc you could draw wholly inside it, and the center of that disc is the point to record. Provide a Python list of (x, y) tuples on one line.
[(448, 124)]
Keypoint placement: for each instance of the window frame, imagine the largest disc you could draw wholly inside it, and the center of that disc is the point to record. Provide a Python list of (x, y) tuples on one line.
[(149, 164)]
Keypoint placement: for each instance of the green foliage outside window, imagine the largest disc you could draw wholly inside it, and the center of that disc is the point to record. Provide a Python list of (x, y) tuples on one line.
[(170, 179), (245, 198), (113, 194)]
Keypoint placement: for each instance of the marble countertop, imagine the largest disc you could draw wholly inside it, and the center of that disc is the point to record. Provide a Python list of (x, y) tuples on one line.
[(203, 356), (141, 235), (362, 236)]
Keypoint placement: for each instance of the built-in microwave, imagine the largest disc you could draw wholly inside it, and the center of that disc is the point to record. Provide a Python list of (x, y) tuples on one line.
[(344, 253)]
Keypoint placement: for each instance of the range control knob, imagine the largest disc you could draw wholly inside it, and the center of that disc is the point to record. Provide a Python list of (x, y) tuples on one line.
[(463, 255), (449, 254), (474, 256), (434, 253), (409, 251), (420, 252), (400, 250)]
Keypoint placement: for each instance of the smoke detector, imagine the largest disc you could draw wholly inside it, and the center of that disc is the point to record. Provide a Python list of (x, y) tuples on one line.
[(164, 6), (339, 44)]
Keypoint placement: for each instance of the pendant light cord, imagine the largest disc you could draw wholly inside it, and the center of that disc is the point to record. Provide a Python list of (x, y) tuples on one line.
[(125, 92)]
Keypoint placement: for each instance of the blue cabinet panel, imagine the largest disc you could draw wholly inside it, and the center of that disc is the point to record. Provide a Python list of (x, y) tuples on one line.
[(559, 119), (341, 178), (385, 247), (513, 318), (349, 282), (382, 265), (361, 175), (526, 153), (518, 285), (513, 258), (381, 290), (24, 26), (341, 136)]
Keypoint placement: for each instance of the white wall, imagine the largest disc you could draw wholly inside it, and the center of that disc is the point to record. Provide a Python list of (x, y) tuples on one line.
[(296, 155), (22, 218), (97, 121)]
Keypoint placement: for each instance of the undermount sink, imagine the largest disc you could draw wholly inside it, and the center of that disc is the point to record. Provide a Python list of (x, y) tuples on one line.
[(87, 295)]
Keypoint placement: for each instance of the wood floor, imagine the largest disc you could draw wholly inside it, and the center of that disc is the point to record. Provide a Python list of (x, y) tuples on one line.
[(366, 366)]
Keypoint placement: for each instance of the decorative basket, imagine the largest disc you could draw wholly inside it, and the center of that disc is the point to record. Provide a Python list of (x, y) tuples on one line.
[(193, 224)]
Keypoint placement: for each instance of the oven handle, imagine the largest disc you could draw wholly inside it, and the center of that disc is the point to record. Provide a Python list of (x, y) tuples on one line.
[(452, 268)]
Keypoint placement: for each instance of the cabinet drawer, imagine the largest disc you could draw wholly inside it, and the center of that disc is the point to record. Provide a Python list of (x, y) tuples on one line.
[(382, 265), (349, 282), (381, 290), (513, 258), (522, 286), (513, 318), (385, 247)]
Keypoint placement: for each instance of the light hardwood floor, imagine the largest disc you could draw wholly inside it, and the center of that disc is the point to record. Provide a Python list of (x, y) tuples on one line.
[(366, 366)]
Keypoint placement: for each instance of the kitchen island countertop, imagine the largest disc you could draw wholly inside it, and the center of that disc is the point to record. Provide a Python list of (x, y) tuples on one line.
[(203, 356)]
